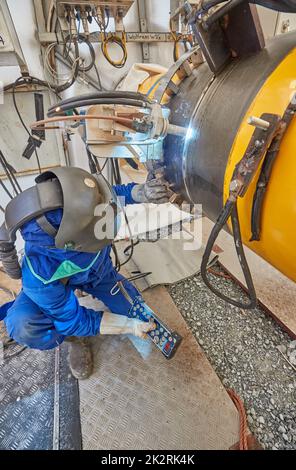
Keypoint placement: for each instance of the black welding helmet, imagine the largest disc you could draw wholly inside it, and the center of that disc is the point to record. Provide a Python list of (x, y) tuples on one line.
[(90, 211)]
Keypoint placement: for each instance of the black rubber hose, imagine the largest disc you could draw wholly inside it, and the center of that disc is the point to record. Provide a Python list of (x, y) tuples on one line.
[(29, 80), (9, 171), (83, 39), (80, 104), (229, 210), (104, 94), (243, 261)]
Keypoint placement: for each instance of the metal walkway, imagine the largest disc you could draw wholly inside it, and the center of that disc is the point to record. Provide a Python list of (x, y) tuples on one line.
[(136, 399)]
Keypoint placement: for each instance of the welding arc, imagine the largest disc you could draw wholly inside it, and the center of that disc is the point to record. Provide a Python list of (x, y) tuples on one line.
[(39, 125)]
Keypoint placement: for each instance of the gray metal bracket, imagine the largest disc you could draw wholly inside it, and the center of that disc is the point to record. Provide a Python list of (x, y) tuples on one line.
[(11, 55)]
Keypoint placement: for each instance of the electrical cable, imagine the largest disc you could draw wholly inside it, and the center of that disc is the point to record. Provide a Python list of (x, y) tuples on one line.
[(98, 77), (53, 73), (121, 42), (104, 94), (86, 78), (90, 101), (229, 210), (9, 171), (178, 38), (22, 121), (243, 421), (39, 125), (99, 102), (29, 80), (82, 39), (5, 189), (17, 353)]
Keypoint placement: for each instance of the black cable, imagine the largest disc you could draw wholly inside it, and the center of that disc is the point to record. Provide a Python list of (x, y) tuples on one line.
[(5, 189), (30, 80), (98, 76), (95, 161), (138, 276), (229, 210), (17, 353), (82, 39), (126, 250), (104, 95), (91, 162), (101, 101), (22, 121), (9, 173), (117, 260), (105, 163), (66, 40), (116, 171), (132, 246), (242, 259), (86, 77), (13, 173)]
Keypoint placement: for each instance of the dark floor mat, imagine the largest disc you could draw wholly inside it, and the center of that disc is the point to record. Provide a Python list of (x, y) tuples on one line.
[(27, 401)]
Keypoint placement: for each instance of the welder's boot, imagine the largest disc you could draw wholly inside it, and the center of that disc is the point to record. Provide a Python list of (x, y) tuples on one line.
[(80, 357)]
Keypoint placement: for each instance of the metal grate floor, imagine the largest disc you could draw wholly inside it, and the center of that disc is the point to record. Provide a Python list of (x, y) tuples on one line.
[(136, 399)]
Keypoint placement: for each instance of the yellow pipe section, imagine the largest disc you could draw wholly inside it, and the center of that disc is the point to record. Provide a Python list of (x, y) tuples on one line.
[(278, 236)]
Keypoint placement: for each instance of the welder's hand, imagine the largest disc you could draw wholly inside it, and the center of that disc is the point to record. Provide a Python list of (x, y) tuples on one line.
[(153, 191), (140, 328), (113, 324)]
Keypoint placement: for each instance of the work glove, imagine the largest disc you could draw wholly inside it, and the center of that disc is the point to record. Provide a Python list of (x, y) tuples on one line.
[(154, 191), (113, 324)]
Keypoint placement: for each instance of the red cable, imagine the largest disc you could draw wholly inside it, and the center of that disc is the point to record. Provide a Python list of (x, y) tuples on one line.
[(243, 431)]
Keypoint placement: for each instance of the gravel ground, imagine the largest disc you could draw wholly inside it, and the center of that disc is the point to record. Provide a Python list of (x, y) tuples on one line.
[(246, 350)]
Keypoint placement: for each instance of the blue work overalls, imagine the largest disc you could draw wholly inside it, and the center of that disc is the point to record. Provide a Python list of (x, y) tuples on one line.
[(46, 310)]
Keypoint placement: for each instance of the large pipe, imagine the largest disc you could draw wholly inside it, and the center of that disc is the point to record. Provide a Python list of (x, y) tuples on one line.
[(217, 111)]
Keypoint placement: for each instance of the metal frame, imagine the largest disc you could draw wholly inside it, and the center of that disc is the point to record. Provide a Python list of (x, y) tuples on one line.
[(15, 56), (134, 37), (143, 28)]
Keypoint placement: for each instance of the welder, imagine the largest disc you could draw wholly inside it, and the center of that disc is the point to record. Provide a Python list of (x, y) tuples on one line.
[(68, 221)]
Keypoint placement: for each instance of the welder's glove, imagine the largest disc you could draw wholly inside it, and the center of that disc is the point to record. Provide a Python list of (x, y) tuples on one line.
[(153, 191), (113, 324)]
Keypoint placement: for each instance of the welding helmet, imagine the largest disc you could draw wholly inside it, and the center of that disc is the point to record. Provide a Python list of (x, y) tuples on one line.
[(90, 210), (90, 213)]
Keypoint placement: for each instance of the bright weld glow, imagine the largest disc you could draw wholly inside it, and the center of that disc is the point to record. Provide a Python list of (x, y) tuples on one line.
[(58, 109), (190, 133)]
